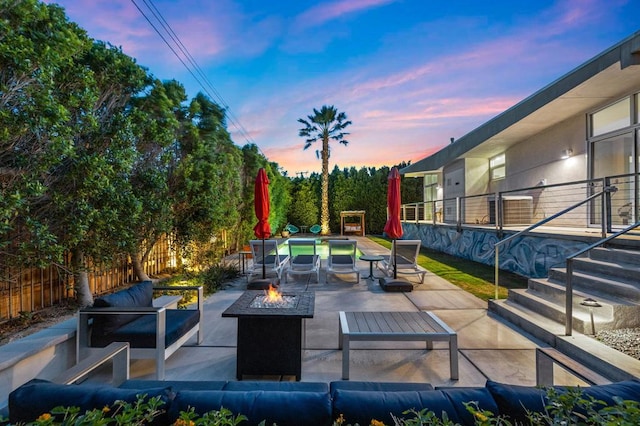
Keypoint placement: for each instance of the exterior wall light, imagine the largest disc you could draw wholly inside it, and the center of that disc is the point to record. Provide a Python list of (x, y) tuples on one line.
[(566, 153)]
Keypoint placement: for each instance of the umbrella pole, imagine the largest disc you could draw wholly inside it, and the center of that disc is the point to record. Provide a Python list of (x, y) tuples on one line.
[(395, 261), (264, 268)]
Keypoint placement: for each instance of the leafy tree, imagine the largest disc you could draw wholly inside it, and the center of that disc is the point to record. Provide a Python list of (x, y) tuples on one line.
[(324, 125), (280, 197), (208, 188), (91, 196), (67, 140), (304, 207), (156, 125), (38, 50)]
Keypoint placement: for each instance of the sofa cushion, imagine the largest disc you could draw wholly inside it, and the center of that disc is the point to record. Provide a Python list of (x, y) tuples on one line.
[(37, 397), (626, 390), (363, 406), (280, 407), (481, 396), (603, 394), (378, 386), (141, 332), (513, 401), (516, 401), (139, 295), (248, 385), (175, 385)]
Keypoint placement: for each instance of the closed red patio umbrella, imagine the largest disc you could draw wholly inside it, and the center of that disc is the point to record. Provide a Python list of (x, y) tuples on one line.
[(262, 229), (393, 227)]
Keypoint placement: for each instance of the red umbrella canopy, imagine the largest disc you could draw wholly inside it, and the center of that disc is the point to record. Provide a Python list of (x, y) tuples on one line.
[(261, 205), (393, 227)]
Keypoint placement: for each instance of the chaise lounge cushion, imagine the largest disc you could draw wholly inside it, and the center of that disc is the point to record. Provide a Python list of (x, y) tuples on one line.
[(37, 397), (141, 332), (363, 406), (139, 295), (284, 408)]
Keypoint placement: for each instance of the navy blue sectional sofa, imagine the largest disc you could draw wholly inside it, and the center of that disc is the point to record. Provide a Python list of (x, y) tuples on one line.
[(303, 403)]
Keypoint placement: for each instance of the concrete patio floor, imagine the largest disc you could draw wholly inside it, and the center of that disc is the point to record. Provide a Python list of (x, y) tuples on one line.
[(489, 348)]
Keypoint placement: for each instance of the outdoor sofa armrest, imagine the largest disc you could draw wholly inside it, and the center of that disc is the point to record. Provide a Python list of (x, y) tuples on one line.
[(84, 314), (117, 352), (197, 288)]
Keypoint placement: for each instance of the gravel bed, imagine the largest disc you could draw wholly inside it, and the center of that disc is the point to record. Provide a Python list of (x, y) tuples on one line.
[(625, 340)]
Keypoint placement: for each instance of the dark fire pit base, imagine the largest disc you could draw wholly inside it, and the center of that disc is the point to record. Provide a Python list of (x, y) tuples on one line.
[(269, 346), (270, 339)]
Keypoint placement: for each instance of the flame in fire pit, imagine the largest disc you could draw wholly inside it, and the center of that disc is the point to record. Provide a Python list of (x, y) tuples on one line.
[(273, 298), (272, 295)]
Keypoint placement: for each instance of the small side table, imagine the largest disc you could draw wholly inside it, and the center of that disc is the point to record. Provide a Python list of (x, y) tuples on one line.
[(303, 229), (242, 259), (371, 259)]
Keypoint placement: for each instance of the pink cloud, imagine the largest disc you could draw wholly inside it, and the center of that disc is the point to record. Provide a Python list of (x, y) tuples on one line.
[(322, 13)]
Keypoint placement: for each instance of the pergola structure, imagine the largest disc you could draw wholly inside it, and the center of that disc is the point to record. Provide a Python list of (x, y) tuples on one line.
[(350, 226)]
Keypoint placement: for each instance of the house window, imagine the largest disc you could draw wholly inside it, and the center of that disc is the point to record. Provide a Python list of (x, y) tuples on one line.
[(613, 117), (497, 167)]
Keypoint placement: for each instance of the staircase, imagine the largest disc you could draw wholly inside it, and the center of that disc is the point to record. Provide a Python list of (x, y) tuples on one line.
[(609, 276), (612, 278)]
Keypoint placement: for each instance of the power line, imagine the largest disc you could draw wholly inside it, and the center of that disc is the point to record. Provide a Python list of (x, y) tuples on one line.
[(195, 70)]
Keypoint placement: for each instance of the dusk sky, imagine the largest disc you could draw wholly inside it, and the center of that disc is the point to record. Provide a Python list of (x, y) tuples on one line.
[(409, 74)]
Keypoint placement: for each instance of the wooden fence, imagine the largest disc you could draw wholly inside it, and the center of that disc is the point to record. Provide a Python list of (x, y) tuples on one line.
[(33, 289)]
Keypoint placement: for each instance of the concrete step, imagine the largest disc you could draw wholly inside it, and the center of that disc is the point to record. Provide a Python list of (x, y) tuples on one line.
[(555, 290), (615, 255), (599, 284), (586, 350), (527, 320), (550, 308), (620, 271)]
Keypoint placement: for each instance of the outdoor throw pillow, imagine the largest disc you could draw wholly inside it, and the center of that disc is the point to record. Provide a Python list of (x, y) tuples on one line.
[(139, 295)]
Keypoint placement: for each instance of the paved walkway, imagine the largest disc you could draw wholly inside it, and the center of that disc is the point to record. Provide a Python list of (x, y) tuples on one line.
[(489, 348)]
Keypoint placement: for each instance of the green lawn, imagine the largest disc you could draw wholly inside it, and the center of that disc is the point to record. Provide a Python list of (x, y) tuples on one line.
[(474, 277)]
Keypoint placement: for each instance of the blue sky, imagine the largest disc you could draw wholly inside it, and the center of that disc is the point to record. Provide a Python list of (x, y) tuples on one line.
[(409, 74)]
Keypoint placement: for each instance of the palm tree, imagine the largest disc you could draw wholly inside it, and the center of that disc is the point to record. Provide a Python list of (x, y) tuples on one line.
[(323, 125)]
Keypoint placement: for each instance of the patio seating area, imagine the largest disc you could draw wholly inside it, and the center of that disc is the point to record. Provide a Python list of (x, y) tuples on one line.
[(488, 348), (465, 347)]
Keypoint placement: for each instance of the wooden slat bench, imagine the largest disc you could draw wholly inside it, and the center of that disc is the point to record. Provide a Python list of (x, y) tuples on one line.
[(395, 326), (547, 357)]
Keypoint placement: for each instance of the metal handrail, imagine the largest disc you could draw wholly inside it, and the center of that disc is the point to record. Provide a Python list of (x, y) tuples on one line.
[(568, 329), (542, 222)]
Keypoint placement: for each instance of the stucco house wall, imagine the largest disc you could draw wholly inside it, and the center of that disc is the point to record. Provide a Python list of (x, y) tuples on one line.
[(536, 160)]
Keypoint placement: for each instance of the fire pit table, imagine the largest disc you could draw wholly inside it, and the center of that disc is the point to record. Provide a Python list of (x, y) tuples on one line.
[(270, 333)]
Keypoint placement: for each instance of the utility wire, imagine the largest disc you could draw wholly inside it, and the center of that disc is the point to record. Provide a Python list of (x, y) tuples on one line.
[(195, 70)]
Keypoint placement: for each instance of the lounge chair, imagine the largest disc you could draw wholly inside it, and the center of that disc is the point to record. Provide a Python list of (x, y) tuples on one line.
[(315, 229), (405, 253), (342, 258), (273, 262), (292, 229), (304, 258)]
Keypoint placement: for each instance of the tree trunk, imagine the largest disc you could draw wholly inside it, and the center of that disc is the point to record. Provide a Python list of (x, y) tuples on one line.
[(324, 212), (138, 269), (81, 279)]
